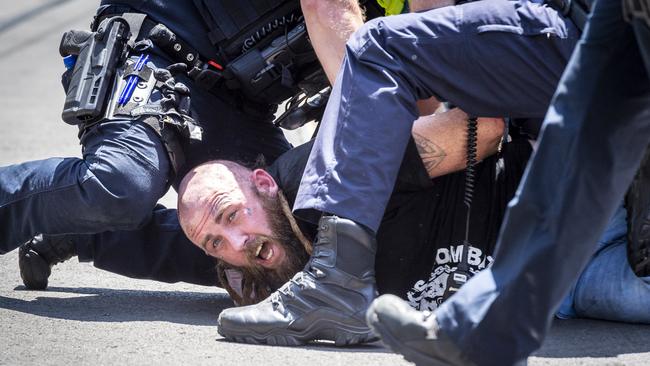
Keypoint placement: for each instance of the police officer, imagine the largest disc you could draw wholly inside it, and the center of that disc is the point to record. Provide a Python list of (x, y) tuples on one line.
[(126, 167), (158, 250), (592, 142), (492, 58)]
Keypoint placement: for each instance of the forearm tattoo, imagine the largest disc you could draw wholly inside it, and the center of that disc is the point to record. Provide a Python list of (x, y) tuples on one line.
[(432, 155)]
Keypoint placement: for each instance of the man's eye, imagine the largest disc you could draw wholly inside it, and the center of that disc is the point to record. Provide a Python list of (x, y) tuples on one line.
[(232, 216), (216, 243)]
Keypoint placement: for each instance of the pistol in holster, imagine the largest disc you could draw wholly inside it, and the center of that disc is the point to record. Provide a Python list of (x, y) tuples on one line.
[(98, 54)]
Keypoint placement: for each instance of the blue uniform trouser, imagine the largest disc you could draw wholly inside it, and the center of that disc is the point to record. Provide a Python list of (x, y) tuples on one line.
[(157, 251), (123, 172), (490, 58), (592, 141)]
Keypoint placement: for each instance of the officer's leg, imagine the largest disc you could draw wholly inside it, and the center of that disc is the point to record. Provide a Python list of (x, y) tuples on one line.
[(340, 272), (123, 172), (159, 251), (469, 55), (389, 65), (608, 288), (574, 183)]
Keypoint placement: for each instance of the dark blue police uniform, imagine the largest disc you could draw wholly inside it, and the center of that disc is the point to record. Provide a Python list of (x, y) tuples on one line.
[(490, 58), (125, 168), (592, 141)]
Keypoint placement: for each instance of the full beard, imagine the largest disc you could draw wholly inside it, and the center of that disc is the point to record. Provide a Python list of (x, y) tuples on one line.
[(259, 282)]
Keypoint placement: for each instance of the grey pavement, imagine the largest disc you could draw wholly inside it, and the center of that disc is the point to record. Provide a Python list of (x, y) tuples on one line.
[(89, 316)]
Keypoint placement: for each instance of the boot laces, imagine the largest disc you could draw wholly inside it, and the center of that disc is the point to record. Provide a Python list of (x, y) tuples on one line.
[(311, 268), (430, 323), (287, 290), (316, 272)]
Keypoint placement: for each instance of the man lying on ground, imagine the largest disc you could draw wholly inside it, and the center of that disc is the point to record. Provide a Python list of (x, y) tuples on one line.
[(188, 265), (241, 216)]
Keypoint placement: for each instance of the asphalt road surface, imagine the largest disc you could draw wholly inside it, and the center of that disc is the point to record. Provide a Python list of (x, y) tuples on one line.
[(88, 316)]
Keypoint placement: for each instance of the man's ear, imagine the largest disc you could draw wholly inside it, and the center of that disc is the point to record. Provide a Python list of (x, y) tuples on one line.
[(264, 182)]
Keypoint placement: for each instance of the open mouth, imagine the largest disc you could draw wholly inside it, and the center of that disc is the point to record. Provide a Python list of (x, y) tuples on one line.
[(264, 251)]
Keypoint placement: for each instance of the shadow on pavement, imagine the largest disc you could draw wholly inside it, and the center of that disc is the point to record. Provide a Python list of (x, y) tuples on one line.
[(324, 346), (110, 305), (594, 338), (29, 14)]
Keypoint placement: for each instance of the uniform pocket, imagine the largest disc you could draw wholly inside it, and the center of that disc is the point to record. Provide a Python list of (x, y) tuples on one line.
[(530, 31), (526, 19)]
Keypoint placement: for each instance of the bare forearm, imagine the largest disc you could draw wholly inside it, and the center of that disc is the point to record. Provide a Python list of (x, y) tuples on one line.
[(441, 140), (329, 24), (420, 5)]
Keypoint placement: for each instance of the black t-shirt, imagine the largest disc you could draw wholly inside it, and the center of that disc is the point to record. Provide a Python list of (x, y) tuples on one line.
[(421, 234)]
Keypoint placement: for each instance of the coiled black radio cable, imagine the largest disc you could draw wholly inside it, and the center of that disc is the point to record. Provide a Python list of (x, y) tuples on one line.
[(267, 29), (462, 273)]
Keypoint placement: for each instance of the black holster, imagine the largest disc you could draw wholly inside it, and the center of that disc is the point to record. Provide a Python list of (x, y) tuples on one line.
[(101, 73), (98, 56)]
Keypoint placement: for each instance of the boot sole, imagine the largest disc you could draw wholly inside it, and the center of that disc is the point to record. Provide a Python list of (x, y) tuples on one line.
[(409, 354), (341, 334)]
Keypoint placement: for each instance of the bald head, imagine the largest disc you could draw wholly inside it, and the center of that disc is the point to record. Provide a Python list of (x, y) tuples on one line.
[(216, 182), (234, 214)]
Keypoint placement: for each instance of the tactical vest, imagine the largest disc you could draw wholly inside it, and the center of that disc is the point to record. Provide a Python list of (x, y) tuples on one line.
[(263, 47)]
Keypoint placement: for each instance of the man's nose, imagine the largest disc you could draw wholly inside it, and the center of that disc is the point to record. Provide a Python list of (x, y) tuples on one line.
[(238, 240)]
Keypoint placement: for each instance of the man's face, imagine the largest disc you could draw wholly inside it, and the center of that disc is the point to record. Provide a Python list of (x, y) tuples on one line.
[(232, 214)]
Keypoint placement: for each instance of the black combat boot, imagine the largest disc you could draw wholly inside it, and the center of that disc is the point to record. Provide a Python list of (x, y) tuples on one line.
[(637, 203), (414, 334), (37, 256), (327, 300)]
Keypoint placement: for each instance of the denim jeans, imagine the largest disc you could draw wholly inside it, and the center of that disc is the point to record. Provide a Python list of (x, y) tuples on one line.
[(607, 288), (592, 141), (123, 173)]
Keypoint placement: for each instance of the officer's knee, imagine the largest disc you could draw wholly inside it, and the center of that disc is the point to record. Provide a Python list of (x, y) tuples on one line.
[(132, 210), (124, 199)]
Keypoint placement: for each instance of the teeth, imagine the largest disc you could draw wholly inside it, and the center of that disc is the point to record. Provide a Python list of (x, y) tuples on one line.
[(259, 249), (270, 254)]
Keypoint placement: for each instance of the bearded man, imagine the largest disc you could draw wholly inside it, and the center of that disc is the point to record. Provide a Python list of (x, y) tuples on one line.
[(239, 216)]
